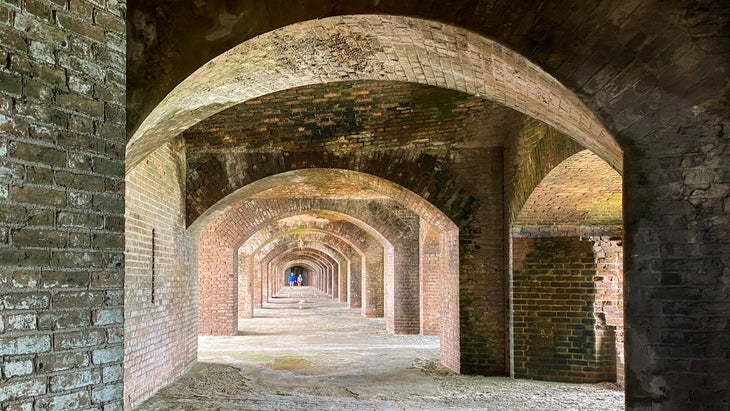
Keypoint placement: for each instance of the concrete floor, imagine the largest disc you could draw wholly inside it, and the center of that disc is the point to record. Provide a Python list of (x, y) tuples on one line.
[(304, 351)]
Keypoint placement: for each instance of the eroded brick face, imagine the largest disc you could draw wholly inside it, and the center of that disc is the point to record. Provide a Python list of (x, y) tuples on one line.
[(62, 122)]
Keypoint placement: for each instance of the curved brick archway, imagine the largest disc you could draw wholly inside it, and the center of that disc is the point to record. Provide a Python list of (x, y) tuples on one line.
[(343, 181), (361, 252), (580, 195), (566, 246), (357, 250), (231, 226), (255, 285), (280, 252), (367, 47), (287, 253)]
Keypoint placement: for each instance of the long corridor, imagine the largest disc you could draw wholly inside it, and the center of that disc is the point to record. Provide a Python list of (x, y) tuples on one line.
[(305, 351)]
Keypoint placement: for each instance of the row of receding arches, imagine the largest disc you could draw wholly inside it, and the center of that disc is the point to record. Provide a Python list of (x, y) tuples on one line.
[(376, 239), (370, 242)]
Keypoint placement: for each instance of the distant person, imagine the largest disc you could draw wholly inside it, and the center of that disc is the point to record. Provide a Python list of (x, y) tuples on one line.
[(299, 280), (292, 278)]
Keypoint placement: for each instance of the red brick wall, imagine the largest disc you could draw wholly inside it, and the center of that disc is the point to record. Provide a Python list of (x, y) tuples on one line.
[(406, 299), (559, 332), (609, 281), (160, 312), (450, 338), (246, 298)]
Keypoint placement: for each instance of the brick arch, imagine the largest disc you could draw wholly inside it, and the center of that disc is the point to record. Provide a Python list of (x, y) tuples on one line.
[(362, 253), (315, 267), (336, 248), (357, 251), (389, 211), (363, 184), (217, 245), (367, 47), (311, 250), (581, 195), (436, 182), (254, 290)]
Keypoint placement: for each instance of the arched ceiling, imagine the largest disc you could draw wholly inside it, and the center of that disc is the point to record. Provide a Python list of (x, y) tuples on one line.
[(355, 240), (227, 214), (370, 48), (581, 191), (354, 115)]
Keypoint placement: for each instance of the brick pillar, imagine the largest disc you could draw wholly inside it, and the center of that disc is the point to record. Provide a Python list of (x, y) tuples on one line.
[(345, 270), (341, 262), (245, 286), (432, 279), (609, 283), (354, 281), (372, 283), (218, 289), (676, 267), (404, 280)]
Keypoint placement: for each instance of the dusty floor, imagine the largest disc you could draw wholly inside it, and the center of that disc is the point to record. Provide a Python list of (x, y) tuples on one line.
[(305, 352)]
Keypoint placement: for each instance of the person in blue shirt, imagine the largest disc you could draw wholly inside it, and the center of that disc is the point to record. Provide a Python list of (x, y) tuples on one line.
[(292, 278)]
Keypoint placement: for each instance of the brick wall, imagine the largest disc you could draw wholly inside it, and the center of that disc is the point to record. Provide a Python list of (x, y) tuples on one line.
[(450, 337), (217, 287), (160, 293), (560, 330), (62, 121)]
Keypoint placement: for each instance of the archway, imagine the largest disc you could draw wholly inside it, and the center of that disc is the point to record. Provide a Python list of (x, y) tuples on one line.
[(230, 229), (567, 270)]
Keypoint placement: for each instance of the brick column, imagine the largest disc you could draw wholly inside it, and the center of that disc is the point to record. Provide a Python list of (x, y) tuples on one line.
[(676, 267)]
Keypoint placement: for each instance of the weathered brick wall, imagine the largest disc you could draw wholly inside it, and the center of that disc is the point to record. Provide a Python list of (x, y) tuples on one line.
[(676, 285), (159, 306), (560, 332), (450, 337), (247, 299), (609, 280), (62, 121), (217, 289)]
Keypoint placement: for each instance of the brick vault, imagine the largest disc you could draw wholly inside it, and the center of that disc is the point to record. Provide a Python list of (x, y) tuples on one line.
[(543, 186)]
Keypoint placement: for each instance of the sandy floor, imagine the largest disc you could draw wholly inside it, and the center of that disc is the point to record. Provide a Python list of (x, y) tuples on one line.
[(305, 352)]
